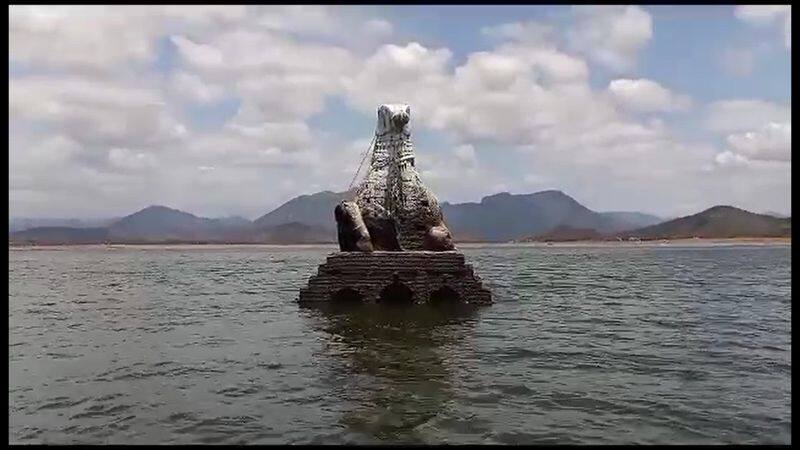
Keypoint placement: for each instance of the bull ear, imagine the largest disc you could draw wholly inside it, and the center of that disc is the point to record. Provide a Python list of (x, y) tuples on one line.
[(385, 118), (382, 119)]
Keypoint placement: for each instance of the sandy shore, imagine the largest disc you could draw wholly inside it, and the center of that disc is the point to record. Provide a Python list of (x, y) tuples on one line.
[(658, 243), (334, 247), (167, 246)]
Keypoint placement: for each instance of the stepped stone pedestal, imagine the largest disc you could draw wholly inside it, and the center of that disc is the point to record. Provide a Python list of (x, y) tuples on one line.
[(395, 277)]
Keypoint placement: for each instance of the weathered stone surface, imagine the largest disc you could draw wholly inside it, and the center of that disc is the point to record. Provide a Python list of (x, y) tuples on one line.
[(396, 277), (351, 230), (395, 246), (399, 211)]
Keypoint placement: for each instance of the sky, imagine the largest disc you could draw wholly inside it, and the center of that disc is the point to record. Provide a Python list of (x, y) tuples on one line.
[(233, 110)]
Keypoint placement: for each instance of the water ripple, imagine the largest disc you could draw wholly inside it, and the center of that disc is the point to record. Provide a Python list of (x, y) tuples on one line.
[(583, 346)]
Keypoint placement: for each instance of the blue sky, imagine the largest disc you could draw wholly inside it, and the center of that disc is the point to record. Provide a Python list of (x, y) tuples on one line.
[(234, 110)]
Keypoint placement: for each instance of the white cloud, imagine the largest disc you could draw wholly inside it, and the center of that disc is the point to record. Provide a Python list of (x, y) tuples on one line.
[(138, 23), (465, 154), (48, 176), (505, 94), (192, 87), (527, 32), (125, 159), (537, 98), (772, 142), (729, 158), (744, 114), (102, 39), (235, 51), (96, 120), (101, 114), (378, 28), (646, 96), (611, 35), (762, 15), (95, 113), (412, 74), (456, 175), (754, 131), (292, 79), (297, 18), (56, 149)]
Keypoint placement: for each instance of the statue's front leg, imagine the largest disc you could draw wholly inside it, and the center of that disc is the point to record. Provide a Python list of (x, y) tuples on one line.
[(353, 234), (438, 239)]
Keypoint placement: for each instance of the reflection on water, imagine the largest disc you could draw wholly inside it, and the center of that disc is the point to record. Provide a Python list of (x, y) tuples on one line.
[(398, 351)]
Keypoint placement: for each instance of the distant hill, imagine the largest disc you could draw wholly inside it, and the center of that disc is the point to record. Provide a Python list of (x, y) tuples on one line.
[(60, 235), (309, 219), (315, 209), (296, 233), (564, 233), (163, 224), (503, 217), (160, 224), (547, 215), (234, 221), (631, 220), (26, 223), (717, 222), (499, 217)]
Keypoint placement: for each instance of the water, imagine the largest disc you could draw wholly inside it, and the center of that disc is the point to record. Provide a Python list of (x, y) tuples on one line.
[(584, 345)]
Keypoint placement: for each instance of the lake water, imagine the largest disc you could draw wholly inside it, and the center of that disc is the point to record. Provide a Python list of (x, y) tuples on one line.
[(583, 345)]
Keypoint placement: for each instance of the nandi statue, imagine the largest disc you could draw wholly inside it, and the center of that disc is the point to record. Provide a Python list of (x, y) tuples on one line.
[(392, 209), (395, 247)]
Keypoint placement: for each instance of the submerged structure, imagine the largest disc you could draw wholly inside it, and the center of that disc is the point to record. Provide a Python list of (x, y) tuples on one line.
[(394, 244)]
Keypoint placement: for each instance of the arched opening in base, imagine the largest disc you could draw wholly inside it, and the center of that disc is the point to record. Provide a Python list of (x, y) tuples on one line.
[(445, 295), (397, 293), (347, 296)]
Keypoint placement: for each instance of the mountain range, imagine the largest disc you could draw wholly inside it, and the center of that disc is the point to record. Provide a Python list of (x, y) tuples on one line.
[(546, 215), (504, 217), (160, 224), (717, 222), (18, 224)]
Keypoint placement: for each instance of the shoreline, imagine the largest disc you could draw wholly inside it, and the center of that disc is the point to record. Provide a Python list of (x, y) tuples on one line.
[(683, 242), (652, 243)]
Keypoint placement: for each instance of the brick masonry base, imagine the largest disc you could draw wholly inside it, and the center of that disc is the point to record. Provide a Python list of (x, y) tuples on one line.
[(396, 277)]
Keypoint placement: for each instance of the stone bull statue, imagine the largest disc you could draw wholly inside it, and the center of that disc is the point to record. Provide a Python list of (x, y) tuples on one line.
[(392, 209)]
